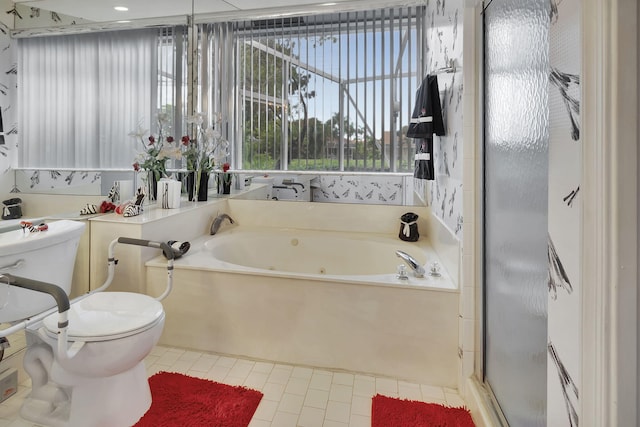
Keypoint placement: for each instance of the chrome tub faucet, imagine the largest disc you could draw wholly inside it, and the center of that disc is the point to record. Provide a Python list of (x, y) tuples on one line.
[(418, 270), (217, 222)]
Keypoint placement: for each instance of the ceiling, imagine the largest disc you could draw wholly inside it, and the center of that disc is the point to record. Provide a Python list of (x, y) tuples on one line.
[(103, 10)]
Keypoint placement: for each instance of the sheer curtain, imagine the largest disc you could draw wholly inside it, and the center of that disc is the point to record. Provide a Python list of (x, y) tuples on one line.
[(81, 95)]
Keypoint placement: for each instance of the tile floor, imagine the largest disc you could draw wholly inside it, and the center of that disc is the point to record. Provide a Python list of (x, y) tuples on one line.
[(294, 396)]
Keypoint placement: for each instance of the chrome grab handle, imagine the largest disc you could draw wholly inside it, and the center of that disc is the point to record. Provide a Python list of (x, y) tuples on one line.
[(13, 266)]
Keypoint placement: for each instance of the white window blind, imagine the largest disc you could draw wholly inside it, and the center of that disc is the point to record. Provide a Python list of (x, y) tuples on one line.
[(81, 95), (330, 92)]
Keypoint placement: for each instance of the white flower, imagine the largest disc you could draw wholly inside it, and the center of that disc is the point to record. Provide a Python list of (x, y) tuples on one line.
[(170, 151), (139, 133), (163, 117), (209, 134), (196, 119), (221, 151)]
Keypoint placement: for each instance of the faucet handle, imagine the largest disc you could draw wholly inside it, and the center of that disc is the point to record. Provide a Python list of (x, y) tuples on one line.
[(434, 269), (402, 272)]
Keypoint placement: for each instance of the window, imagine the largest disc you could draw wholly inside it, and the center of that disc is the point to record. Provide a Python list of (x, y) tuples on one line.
[(81, 95), (329, 92)]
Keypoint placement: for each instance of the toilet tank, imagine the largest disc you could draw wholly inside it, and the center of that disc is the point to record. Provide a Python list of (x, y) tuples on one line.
[(47, 256)]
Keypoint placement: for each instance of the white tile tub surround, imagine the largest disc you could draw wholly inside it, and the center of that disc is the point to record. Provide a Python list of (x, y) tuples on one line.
[(391, 331), (447, 246), (326, 216)]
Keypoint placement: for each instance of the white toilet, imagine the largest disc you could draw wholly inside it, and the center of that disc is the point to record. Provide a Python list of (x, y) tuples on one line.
[(98, 379)]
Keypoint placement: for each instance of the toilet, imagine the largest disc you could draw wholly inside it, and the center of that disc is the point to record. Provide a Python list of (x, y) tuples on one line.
[(98, 379)]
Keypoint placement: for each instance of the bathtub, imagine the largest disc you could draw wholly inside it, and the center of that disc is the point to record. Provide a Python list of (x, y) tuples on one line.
[(318, 255), (318, 298)]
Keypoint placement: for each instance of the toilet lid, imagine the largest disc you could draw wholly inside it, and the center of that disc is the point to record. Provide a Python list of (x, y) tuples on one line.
[(105, 314)]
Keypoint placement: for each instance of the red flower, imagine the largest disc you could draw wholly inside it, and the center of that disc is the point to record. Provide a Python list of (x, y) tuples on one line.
[(152, 140), (225, 167), (170, 139), (185, 140), (136, 166), (107, 207)]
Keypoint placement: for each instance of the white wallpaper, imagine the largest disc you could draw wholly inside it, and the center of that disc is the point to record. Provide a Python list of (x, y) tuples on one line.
[(565, 209), (8, 78), (367, 189), (444, 43)]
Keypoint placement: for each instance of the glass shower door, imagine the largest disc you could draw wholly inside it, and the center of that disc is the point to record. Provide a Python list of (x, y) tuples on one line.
[(516, 74)]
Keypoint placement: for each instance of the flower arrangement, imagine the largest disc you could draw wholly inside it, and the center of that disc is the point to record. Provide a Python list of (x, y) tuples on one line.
[(207, 149), (224, 179), (156, 151)]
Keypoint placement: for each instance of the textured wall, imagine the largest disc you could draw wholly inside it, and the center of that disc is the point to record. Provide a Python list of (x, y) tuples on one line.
[(444, 43), (8, 77), (368, 189), (565, 212)]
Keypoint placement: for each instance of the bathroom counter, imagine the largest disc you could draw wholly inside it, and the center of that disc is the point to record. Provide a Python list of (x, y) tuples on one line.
[(75, 216), (153, 212)]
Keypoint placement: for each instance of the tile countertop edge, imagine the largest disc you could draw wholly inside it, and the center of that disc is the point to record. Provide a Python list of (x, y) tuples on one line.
[(155, 212)]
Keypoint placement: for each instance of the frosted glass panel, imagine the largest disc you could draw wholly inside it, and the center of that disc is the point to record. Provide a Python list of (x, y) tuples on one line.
[(516, 158)]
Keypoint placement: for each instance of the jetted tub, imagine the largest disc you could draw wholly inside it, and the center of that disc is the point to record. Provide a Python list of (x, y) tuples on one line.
[(318, 298), (320, 255)]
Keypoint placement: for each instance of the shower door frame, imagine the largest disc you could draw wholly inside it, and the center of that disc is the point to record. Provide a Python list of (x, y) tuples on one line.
[(610, 395), (497, 414)]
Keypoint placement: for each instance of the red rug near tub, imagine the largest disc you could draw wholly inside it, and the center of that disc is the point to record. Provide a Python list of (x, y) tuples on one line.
[(181, 400), (392, 412)]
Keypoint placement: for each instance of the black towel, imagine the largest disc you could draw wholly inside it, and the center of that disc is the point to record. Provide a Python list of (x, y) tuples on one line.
[(427, 112), (423, 168), (426, 120)]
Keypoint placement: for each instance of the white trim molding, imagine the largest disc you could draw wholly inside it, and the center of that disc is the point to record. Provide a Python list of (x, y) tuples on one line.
[(609, 229)]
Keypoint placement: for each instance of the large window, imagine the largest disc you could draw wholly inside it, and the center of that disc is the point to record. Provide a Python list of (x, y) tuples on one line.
[(329, 92), (81, 95)]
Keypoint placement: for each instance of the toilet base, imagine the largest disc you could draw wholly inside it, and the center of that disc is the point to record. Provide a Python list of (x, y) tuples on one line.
[(116, 401), (49, 406)]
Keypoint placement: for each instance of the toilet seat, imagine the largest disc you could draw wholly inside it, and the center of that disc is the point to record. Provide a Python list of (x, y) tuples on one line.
[(107, 316)]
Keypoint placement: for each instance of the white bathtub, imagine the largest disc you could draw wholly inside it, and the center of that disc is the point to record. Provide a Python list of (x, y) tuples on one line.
[(308, 254), (326, 299)]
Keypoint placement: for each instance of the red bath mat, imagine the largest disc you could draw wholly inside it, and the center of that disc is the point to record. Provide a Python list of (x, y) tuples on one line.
[(392, 412), (180, 400)]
